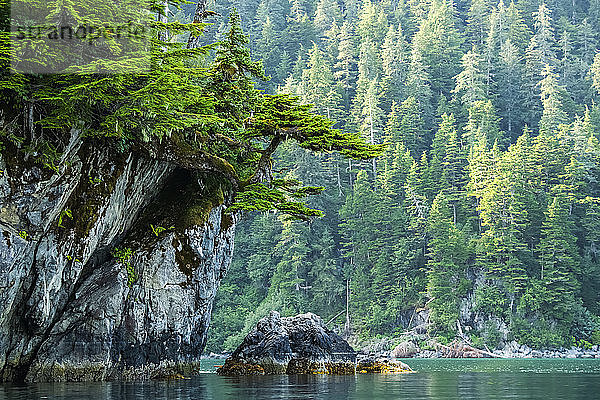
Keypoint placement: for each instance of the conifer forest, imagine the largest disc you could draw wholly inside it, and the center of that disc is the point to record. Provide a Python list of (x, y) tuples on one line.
[(484, 204)]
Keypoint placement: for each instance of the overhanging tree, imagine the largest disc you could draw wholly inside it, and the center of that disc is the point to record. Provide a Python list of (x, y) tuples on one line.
[(199, 117)]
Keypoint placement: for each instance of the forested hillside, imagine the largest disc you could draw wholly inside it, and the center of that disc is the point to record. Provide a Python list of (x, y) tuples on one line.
[(485, 208)]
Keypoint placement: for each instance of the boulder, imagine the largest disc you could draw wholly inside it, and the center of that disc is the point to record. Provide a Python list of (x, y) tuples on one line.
[(405, 350), (293, 345)]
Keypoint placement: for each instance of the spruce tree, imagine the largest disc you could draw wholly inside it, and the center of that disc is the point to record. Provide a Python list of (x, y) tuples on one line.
[(448, 255), (478, 20), (346, 69), (418, 83), (595, 72), (453, 174), (540, 52), (395, 62), (553, 113), (559, 260), (510, 84), (438, 41), (327, 13), (406, 126), (483, 121), (470, 83), (317, 85)]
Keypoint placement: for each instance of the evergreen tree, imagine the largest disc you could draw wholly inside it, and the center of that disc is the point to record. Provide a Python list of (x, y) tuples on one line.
[(438, 42), (438, 151), (483, 122), (346, 69), (372, 22), (395, 61), (317, 85), (327, 13), (419, 9), (418, 84), (406, 126), (417, 206), (504, 219), (327, 291), (510, 83), (267, 45), (289, 281), (540, 52), (470, 83), (558, 260), (449, 253), (360, 244), (477, 21), (595, 72), (551, 94), (454, 163)]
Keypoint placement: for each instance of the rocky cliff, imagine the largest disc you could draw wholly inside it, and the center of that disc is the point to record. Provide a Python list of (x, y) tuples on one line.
[(108, 264)]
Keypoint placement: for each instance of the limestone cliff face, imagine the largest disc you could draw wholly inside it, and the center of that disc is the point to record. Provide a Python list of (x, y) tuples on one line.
[(71, 310)]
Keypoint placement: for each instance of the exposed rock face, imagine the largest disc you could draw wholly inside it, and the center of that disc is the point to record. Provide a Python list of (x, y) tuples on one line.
[(70, 309), (457, 349), (294, 345), (405, 350)]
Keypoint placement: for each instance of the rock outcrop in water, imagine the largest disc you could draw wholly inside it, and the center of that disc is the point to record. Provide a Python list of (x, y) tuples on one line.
[(293, 345), (299, 345), (381, 365), (109, 265)]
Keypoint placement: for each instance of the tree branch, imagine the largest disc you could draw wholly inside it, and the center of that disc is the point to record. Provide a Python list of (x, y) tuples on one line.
[(263, 169)]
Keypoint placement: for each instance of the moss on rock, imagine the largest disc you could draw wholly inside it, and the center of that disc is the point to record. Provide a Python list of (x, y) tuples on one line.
[(234, 368), (305, 366), (382, 367)]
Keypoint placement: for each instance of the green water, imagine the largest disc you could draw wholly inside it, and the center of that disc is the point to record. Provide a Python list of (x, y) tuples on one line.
[(435, 379)]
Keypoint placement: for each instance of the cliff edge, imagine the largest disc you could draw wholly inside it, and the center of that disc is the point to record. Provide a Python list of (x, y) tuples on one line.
[(108, 265)]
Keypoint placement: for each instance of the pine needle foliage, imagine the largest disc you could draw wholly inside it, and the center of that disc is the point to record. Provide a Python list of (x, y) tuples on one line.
[(196, 106)]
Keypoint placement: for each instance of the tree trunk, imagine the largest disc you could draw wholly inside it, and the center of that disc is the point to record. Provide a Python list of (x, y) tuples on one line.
[(199, 16)]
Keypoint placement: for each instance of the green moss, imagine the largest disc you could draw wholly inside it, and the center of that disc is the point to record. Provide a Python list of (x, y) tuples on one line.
[(123, 257), (185, 201), (235, 368), (201, 202), (595, 338), (87, 214)]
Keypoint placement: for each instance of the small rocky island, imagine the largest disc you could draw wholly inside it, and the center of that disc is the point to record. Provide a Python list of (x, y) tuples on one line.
[(300, 345)]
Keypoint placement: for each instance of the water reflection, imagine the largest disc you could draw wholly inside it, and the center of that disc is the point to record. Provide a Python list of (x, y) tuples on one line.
[(436, 380)]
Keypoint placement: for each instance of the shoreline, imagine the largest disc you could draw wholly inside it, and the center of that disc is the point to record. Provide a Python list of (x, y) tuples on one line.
[(511, 351)]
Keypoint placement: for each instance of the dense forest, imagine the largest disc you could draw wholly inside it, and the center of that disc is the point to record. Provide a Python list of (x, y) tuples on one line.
[(487, 199)]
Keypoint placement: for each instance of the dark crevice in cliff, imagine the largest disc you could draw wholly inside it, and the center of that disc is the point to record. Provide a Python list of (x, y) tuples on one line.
[(184, 201)]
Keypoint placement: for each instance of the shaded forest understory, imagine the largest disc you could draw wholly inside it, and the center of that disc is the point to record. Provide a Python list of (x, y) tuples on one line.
[(485, 208)]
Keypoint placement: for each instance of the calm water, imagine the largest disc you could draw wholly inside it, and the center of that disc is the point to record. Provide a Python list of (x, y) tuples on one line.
[(435, 379)]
